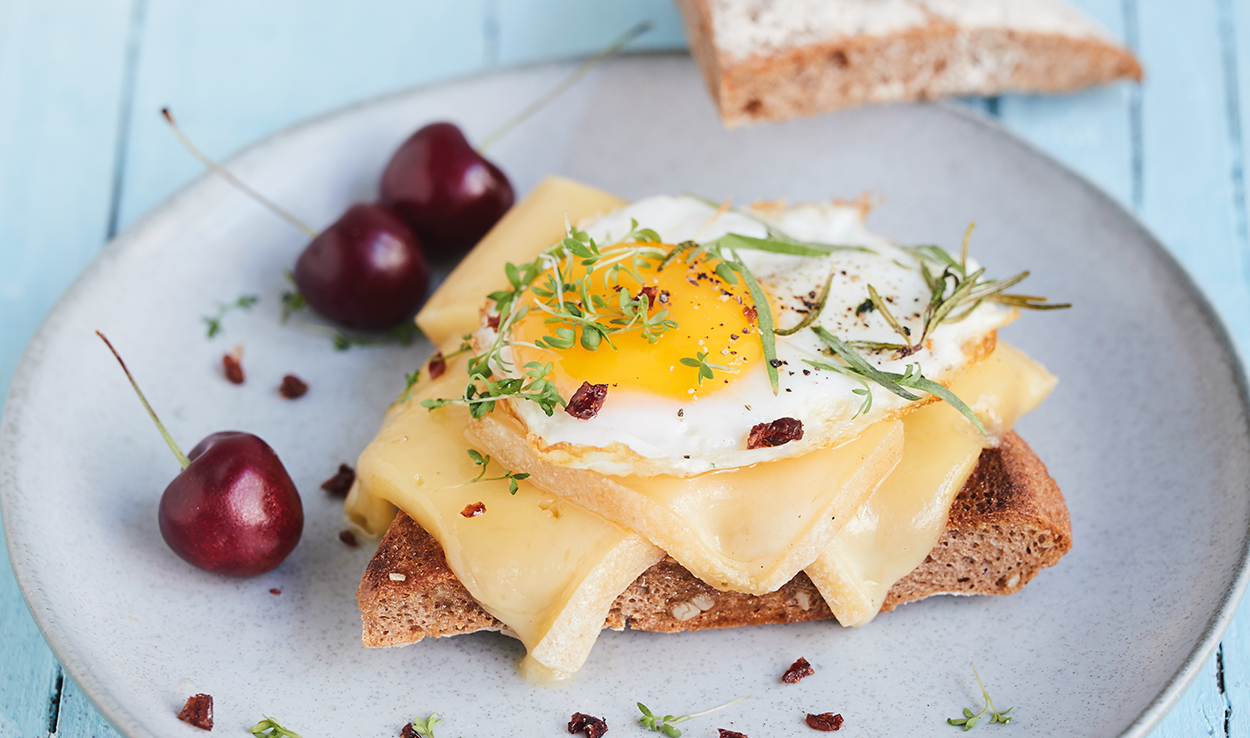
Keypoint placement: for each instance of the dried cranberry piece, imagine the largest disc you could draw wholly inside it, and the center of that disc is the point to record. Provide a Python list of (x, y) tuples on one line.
[(293, 387), (592, 726), (797, 671), (437, 365), (232, 365), (826, 721), (586, 401), (473, 510), (341, 483), (198, 711), (779, 432)]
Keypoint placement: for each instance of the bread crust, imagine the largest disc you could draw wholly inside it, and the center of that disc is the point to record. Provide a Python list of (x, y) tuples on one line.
[(920, 62), (1008, 523)]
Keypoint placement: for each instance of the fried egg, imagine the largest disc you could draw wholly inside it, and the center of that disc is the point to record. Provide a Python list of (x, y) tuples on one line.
[(685, 393)]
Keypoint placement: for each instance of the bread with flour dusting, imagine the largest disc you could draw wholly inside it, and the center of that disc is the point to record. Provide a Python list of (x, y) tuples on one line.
[(776, 59)]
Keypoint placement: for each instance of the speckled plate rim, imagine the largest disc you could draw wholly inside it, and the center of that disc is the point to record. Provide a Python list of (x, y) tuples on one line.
[(11, 413)]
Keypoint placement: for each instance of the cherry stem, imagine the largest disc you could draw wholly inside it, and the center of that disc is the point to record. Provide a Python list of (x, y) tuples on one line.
[(182, 458), (222, 172), (582, 70)]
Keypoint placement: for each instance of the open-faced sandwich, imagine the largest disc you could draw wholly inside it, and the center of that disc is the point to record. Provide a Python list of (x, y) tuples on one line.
[(674, 415)]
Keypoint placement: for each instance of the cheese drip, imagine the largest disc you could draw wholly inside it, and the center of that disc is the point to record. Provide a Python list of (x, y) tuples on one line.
[(748, 529), (901, 522), (546, 568)]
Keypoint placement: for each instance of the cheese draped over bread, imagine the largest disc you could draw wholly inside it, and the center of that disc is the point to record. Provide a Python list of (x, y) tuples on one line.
[(546, 554)]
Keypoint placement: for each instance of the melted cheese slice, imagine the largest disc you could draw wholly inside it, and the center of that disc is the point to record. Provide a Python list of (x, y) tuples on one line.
[(748, 529), (547, 569), (529, 227), (902, 521)]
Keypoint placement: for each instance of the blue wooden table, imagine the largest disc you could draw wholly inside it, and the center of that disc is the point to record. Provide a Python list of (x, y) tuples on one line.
[(83, 154)]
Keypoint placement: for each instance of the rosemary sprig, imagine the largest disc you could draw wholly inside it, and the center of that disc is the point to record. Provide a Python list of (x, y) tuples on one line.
[(899, 384), (955, 293), (970, 719), (777, 235), (667, 724), (813, 312), (482, 460)]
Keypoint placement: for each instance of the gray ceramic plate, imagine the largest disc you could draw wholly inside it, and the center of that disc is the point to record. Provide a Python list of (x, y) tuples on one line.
[(1152, 452)]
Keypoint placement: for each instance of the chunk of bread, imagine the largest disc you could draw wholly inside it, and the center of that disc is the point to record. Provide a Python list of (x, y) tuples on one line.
[(1007, 524), (775, 59)]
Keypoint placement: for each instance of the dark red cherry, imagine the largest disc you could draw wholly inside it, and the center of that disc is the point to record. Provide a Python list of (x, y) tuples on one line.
[(234, 510), (365, 271), (448, 193)]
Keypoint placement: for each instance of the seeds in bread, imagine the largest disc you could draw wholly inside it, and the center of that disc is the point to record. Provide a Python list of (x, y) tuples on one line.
[(1007, 524)]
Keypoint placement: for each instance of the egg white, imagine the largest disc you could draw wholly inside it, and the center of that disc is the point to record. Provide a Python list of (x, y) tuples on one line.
[(637, 432)]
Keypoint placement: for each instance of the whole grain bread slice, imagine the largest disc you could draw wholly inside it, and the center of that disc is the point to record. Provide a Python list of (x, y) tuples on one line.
[(1007, 524), (775, 59)]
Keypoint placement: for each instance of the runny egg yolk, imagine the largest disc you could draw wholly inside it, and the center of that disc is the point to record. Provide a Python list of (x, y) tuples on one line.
[(712, 317)]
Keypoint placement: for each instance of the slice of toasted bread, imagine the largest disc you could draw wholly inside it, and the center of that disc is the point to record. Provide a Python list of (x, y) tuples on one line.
[(776, 59), (1007, 524)]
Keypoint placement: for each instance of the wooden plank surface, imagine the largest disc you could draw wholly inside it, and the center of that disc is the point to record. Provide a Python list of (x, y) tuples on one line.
[(61, 85), (89, 77)]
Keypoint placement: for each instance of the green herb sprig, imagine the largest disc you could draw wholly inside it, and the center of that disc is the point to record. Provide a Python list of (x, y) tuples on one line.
[(667, 724), (970, 719), (425, 728), (705, 369), (911, 378), (213, 322), (954, 293), (403, 335), (482, 460), (269, 728)]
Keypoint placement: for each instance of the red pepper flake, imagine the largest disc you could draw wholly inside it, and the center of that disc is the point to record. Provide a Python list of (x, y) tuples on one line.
[(730, 734), (493, 321), (777, 433), (586, 401), (751, 313), (232, 365), (409, 732), (797, 671), (341, 483), (198, 711), (473, 510), (826, 721), (592, 726), (437, 365), (293, 387), (652, 294), (349, 539), (275, 591)]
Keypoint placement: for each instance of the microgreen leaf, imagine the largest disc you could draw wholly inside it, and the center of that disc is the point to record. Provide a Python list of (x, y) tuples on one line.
[(269, 728), (425, 728), (667, 724), (213, 322), (970, 719)]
